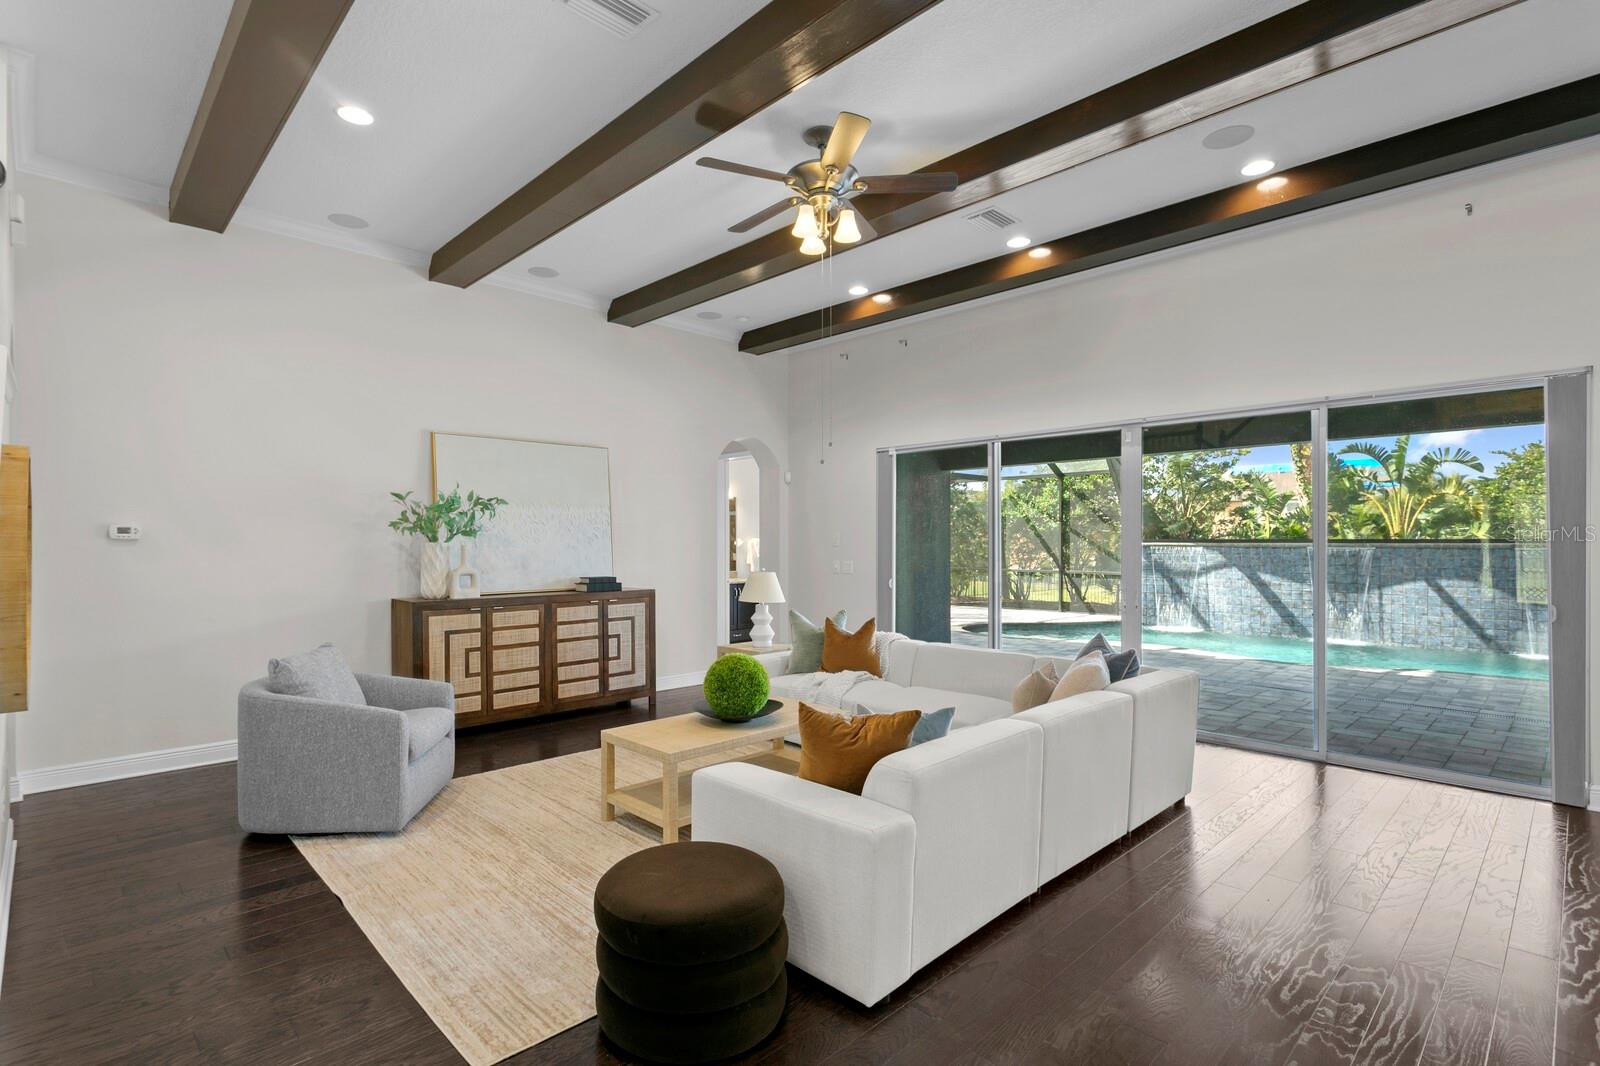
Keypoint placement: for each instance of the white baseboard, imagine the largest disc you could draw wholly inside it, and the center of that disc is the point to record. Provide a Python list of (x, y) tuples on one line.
[(96, 771), (14, 792), (115, 769), (680, 680), (1594, 797)]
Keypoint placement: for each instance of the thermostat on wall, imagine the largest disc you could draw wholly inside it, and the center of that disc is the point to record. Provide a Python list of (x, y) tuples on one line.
[(116, 532)]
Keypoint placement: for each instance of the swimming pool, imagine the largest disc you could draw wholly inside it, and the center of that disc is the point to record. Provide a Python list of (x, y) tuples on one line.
[(1284, 650)]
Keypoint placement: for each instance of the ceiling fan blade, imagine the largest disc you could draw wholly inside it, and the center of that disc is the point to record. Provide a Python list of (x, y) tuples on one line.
[(846, 138), (740, 168), (940, 181), (763, 215)]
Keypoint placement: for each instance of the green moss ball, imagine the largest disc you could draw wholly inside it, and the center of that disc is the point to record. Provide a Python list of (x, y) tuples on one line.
[(736, 686)]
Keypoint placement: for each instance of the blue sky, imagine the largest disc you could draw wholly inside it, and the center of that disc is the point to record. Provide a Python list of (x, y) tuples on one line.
[(1481, 442)]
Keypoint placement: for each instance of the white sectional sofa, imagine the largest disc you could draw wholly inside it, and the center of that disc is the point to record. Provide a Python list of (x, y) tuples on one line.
[(949, 834)]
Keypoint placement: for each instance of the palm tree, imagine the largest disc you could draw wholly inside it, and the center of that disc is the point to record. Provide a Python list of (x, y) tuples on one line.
[(1403, 497)]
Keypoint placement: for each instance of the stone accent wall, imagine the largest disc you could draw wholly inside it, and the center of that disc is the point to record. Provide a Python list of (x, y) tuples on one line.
[(1461, 597)]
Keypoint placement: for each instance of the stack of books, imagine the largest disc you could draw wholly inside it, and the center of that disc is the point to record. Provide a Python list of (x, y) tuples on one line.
[(599, 584)]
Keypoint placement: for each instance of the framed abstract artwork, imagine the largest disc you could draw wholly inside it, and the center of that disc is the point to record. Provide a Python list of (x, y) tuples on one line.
[(556, 524)]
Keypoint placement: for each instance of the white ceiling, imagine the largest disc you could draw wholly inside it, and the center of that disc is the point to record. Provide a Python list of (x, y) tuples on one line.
[(473, 99)]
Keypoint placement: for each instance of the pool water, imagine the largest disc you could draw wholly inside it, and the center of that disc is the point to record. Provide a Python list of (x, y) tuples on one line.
[(1285, 650)]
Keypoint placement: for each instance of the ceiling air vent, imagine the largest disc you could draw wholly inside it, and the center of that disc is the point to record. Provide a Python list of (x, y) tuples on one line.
[(992, 218), (621, 17)]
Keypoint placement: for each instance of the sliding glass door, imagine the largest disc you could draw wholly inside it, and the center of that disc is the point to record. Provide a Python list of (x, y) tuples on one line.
[(1060, 533), (1226, 575), (1368, 582), (1438, 585), (941, 582)]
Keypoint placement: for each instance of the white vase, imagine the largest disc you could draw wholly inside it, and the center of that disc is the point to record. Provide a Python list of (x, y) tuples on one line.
[(435, 569), (465, 582)]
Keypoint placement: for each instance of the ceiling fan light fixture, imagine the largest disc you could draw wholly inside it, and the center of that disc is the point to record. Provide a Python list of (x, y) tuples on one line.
[(805, 223), (845, 231), (812, 245)]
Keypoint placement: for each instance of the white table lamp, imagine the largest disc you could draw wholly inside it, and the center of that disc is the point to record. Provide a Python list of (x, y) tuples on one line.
[(761, 588)]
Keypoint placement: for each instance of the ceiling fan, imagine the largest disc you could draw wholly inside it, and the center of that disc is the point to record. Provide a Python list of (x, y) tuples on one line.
[(821, 188)]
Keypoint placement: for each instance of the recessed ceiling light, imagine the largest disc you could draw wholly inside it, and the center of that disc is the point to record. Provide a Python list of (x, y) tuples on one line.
[(1228, 137), (882, 298), (859, 290), (1019, 241), (1272, 184), (544, 272), (742, 318), (1257, 167), (338, 218), (709, 316), (356, 116), (1039, 252)]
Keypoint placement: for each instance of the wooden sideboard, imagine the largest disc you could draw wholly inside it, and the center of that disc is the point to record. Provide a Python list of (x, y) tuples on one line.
[(523, 654)]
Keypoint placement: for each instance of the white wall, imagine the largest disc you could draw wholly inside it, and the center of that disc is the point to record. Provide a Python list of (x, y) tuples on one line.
[(8, 723), (1398, 291), (251, 400)]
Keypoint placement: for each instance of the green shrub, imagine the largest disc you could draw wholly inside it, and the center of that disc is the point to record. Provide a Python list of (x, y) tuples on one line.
[(736, 686)]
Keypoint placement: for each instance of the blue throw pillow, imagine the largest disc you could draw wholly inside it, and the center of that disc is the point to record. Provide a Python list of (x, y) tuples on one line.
[(932, 725), (1120, 664)]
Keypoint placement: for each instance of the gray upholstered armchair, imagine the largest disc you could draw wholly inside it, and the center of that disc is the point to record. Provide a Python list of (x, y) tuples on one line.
[(309, 766)]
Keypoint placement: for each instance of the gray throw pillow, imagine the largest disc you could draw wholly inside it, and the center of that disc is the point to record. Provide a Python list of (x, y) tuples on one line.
[(805, 639), (1120, 664), (319, 674), (931, 726)]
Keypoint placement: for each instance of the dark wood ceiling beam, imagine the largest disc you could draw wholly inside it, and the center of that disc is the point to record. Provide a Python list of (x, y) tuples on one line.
[(1288, 49), (269, 51), (1555, 116), (770, 55)]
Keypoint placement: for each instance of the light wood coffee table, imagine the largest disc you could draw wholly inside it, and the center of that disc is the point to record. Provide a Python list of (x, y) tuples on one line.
[(674, 741)]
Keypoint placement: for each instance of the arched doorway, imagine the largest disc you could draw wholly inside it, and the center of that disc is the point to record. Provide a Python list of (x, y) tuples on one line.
[(749, 526)]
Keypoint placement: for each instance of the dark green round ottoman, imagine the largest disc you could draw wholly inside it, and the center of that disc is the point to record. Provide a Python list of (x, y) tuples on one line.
[(691, 952)]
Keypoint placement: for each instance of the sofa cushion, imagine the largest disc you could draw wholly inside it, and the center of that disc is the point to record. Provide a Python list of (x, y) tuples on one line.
[(839, 752), (880, 697), (805, 640), (318, 674), (981, 671), (843, 650), (425, 728), (897, 660)]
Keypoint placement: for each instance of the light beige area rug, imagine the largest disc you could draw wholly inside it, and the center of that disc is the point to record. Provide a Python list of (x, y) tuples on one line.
[(484, 905)]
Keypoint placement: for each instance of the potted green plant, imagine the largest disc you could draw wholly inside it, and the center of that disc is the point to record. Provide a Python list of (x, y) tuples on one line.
[(440, 523)]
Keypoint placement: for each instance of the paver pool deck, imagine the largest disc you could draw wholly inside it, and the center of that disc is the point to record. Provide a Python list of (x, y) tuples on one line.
[(1496, 727)]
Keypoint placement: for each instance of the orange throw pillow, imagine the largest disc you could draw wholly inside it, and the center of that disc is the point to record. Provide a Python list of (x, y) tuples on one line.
[(839, 752), (842, 650)]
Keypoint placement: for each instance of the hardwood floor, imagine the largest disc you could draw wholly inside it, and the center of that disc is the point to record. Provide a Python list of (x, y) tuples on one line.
[(1288, 913)]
